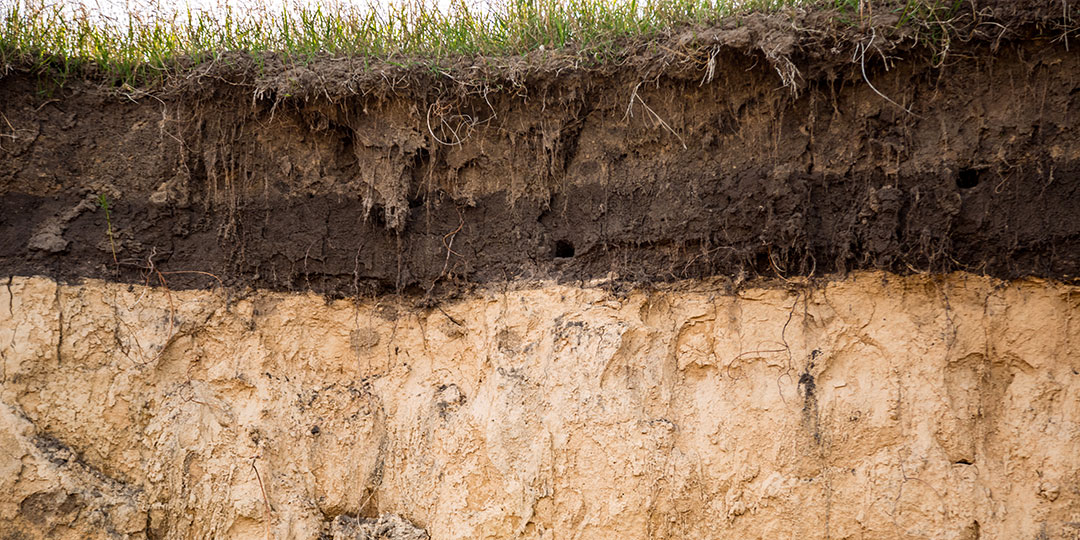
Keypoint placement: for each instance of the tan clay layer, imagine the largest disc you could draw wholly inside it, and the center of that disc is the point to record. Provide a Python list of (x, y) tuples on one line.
[(871, 407)]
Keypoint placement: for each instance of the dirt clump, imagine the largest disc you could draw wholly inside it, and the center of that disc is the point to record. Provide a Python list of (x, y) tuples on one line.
[(387, 527)]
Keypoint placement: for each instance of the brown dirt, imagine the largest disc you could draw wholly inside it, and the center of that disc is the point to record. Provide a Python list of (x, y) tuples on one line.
[(885, 407), (554, 401), (692, 161)]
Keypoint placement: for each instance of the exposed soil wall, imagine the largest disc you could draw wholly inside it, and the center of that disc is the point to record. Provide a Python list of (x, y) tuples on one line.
[(790, 144), (530, 297), (873, 407)]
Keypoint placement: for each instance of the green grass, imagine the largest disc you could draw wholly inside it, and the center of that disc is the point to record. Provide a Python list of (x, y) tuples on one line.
[(149, 45)]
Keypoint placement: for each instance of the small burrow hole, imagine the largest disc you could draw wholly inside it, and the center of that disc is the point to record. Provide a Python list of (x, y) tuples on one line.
[(564, 249), (967, 178)]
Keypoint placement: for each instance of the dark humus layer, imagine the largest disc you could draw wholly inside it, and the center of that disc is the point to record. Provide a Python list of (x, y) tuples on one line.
[(645, 176)]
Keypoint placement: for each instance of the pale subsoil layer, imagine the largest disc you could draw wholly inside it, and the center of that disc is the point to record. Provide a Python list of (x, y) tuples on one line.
[(876, 406)]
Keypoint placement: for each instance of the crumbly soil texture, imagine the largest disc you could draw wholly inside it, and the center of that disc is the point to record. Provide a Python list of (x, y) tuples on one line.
[(796, 143)]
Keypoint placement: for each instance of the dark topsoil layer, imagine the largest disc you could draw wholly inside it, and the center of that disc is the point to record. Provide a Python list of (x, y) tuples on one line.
[(786, 144)]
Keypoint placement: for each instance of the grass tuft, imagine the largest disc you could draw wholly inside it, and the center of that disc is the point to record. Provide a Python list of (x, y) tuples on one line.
[(141, 47)]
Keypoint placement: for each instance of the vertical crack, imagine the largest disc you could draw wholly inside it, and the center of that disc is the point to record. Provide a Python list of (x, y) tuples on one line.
[(11, 345), (60, 324)]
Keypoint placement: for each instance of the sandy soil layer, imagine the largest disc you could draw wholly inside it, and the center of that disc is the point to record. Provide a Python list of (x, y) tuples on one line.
[(871, 407)]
